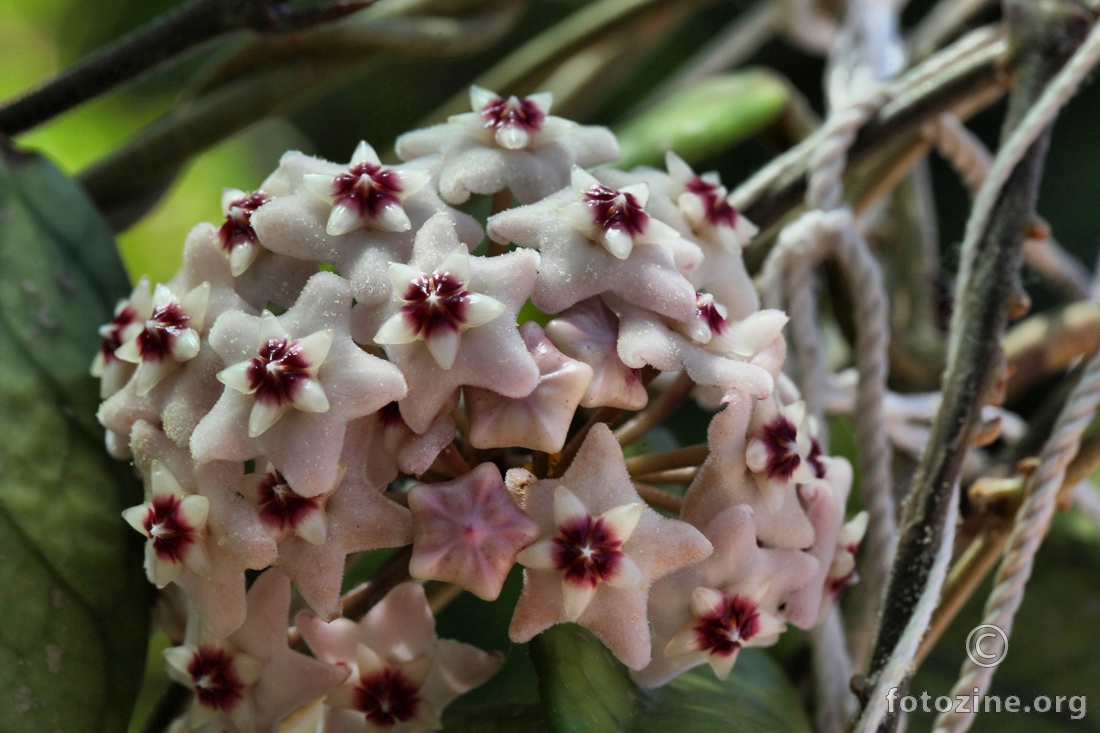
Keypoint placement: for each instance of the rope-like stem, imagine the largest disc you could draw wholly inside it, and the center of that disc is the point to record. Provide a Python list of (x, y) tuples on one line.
[(1032, 523)]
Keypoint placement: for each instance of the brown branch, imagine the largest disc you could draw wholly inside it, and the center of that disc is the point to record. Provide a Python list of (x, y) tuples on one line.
[(671, 476), (660, 499), (654, 414), (687, 457)]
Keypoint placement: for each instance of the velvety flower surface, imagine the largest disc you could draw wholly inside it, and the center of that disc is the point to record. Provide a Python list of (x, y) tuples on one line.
[(292, 384), (468, 531), (779, 449), (589, 332), (507, 280), (539, 421), (601, 549), (125, 325), (402, 675), (744, 588), (508, 142), (317, 225), (619, 249), (252, 680), (724, 480)]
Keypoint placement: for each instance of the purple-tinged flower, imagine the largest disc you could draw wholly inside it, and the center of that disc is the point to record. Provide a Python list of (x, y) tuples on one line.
[(169, 337), (741, 578), (706, 206), (235, 540), (468, 531), (281, 375), (124, 326), (842, 572), (508, 142), (357, 517), (614, 218), (589, 332), (251, 680), (174, 522), (221, 678), (778, 448), (539, 421), (647, 339), (402, 674), (437, 306), (575, 266), (298, 365), (601, 550), (433, 381), (724, 480), (283, 510), (367, 193), (725, 621), (236, 235), (512, 123)]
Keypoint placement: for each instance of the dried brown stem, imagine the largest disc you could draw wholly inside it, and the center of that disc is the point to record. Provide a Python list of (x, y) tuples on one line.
[(671, 476), (1048, 343), (687, 457), (658, 409), (659, 499)]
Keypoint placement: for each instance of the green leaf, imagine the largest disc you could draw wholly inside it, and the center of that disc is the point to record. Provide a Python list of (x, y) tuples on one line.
[(73, 598), (584, 688), (703, 119)]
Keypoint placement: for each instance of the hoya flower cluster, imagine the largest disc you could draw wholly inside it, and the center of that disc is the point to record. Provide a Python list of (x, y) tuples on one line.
[(337, 334)]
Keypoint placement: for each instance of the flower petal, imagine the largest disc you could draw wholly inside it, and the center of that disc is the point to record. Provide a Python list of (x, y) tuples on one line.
[(576, 596), (628, 575), (457, 263), (364, 153), (236, 377), (271, 328), (309, 396), (264, 414), (707, 602), (344, 218), (623, 519), (567, 507), (539, 556), (314, 347), (396, 330), (443, 346), (480, 309)]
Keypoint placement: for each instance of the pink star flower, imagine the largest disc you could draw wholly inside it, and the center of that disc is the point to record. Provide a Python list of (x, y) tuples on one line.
[(468, 531), (601, 550)]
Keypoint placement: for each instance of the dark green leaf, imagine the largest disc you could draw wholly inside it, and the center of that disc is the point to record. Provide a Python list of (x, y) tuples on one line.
[(703, 119), (73, 598), (584, 688)]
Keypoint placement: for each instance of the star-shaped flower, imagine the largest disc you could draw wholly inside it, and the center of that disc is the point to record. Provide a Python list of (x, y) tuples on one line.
[(124, 326), (358, 518), (236, 235), (727, 363), (589, 332), (779, 448), (290, 370), (283, 510), (174, 522), (253, 680), (539, 421), (402, 675), (708, 611), (315, 224), (507, 279), (508, 143), (623, 258), (385, 446), (698, 208), (468, 531), (169, 336), (601, 550), (724, 480), (234, 541), (437, 307), (842, 573)]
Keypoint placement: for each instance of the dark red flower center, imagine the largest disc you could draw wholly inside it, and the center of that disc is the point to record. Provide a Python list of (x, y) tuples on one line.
[(390, 415), (613, 209), (278, 370), (587, 551), (725, 630), (161, 329), (843, 583), (781, 438), (169, 531), (434, 303), (216, 683), (112, 332), (814, 458), (388, 697), (512, 112), (367, 188), (280, 506), (708, 313), (237, 228), (718, 209)]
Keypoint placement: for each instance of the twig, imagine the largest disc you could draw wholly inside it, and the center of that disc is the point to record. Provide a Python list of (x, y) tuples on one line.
[(671, 476), (1043, 35), (569, 452), (940, 23), (1084, 463), (1048, 343), (688, 456), (152, 45), (657, 498), (440, 594), (654, 414)]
